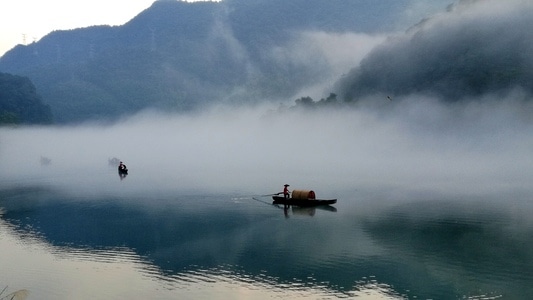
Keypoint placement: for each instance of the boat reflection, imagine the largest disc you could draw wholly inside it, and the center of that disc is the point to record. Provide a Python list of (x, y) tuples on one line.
[(289, 210), (297, 210), (122, 175)]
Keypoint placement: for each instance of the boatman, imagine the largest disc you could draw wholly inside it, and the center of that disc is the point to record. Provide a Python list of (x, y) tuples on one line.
[(122, 170), (286, 192)]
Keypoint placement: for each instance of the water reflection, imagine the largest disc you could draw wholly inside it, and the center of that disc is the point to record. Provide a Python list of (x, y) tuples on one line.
[(289, 210), (471, 245), (223, 246)]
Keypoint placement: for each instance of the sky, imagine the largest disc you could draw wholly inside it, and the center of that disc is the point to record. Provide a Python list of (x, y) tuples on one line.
[(25, 21)]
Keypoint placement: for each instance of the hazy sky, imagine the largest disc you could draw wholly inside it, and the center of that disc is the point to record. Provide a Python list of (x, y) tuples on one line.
[(36, 18)]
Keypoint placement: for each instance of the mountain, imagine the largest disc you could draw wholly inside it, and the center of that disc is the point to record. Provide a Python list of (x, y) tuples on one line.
[(474, 49), (20, 103), (179, 56)]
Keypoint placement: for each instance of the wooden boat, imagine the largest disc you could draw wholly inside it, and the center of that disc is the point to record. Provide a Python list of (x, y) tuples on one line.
[(302, 202)]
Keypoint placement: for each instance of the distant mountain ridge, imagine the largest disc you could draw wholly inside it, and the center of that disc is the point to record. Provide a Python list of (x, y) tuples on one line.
[(180, 56)]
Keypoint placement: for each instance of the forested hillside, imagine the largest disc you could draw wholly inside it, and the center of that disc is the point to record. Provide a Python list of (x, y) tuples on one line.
[(20, 103), (180, 56), (475, 49)]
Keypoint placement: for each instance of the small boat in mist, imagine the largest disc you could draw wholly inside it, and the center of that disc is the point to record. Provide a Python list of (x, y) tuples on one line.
[(122, 170), (302, 198), (45, 161)]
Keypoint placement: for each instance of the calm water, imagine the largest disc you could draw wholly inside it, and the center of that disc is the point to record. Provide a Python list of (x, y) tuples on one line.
[(370, 245)]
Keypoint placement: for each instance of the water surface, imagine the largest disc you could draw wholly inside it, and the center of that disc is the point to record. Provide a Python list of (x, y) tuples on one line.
[(370, 245)]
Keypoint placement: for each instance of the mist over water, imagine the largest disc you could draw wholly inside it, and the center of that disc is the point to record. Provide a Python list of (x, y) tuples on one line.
[(411, 145)]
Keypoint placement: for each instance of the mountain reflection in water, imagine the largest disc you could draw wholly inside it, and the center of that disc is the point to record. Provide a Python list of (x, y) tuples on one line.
[(230, 246)]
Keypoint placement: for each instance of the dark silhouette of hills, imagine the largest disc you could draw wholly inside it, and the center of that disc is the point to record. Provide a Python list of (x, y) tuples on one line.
[(472, 50), (20, 103), (180, 56)]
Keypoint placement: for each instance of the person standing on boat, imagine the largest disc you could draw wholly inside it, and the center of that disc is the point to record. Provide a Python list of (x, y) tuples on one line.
[(286, 192)]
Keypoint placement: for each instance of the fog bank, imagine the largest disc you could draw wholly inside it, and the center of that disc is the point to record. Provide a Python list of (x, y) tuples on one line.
[(474, 149)]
